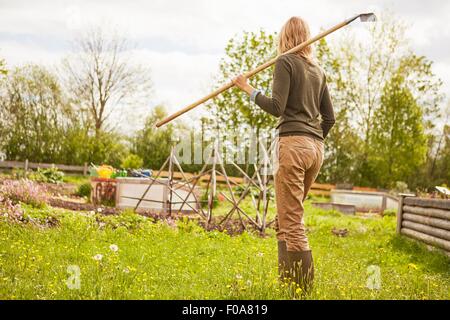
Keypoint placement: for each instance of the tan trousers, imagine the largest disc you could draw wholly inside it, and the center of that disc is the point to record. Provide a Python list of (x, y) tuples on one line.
[(299, 162)]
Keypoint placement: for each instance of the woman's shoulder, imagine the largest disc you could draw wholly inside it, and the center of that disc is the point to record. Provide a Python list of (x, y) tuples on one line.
[(303, 62)]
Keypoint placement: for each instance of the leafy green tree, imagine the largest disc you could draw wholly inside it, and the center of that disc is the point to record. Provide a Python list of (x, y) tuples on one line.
[(443, 161), (153, 144), (3, 70), (343, 142), (132, 161), (39, 124), (358, 71), (232, 111), (32, 113), (398, 143)]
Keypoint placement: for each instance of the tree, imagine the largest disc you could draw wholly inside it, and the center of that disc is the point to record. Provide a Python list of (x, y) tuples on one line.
[(102, 77), (33, 114), (153, 144), (437, 168), (358, 72), (342, 143), (232, 111), (442, 171), (398, 143), (3, 70)]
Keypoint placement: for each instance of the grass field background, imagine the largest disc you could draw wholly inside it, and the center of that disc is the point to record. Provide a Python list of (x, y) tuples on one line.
[(179, 260)]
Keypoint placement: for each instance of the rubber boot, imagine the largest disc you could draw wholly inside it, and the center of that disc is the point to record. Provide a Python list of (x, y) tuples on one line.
[(301, 269), (283, 270)]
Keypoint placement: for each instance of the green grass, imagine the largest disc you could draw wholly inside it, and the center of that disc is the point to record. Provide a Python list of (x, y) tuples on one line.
[(182, 261), (76, 179)]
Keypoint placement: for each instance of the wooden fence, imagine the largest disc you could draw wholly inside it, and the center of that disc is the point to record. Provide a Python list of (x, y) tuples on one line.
[(426, 220), (317, 188), (320, 189), (26, 165)]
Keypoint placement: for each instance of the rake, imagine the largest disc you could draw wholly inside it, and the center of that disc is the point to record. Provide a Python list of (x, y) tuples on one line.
[(364, 17)]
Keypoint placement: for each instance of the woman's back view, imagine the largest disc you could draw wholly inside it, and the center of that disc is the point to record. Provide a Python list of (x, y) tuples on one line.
[(300, 98)]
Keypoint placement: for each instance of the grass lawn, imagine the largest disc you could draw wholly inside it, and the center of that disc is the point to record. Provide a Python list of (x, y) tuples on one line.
[(182, 261)]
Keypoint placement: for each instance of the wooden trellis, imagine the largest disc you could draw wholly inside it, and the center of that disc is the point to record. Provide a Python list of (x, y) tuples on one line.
[(212, 168)]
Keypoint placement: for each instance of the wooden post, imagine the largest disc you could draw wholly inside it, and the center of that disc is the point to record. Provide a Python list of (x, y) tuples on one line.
[(170, 182), (26, 165), (212, 193), (400, 213), (85, 169), (383, 203), (264, 185)]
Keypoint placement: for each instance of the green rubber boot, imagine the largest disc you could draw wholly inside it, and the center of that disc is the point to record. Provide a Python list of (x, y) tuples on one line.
[(301, 269), (283, 270)]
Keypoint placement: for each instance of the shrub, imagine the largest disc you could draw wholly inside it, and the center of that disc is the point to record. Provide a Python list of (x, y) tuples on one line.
[(9, 210), (132, 161), (390, 212), (50, 175), (399, 187), (84, 190), (25, 191), (205, 198), (18, 173), (127, 219)]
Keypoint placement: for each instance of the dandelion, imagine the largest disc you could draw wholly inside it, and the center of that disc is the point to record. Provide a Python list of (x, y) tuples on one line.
[(412, 266), (260, 254), (238, 276), (99, 210), (114, 248), (126, 270), (98, 257)]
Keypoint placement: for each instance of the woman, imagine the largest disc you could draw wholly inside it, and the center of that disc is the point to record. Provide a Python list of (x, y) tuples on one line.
[(300, 98)]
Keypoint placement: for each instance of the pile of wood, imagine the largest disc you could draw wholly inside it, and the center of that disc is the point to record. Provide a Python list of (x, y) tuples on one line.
[(426, 220)]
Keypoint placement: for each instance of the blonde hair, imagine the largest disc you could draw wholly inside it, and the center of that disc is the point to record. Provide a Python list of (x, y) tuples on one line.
[(294, 32)]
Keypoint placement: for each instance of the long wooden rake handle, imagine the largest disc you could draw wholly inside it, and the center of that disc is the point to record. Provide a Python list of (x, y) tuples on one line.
[(249, 74)]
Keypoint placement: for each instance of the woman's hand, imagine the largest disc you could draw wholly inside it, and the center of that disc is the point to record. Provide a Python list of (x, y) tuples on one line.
[(241, 82)]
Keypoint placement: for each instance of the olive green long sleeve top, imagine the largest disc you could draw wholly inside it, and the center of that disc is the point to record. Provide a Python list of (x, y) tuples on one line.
[(300, 98)]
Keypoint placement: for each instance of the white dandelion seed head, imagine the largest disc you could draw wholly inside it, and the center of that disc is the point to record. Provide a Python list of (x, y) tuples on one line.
[(98, 257), (114, 248)]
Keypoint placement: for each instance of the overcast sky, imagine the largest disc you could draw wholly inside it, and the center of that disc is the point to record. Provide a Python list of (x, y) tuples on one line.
[(183, 41)]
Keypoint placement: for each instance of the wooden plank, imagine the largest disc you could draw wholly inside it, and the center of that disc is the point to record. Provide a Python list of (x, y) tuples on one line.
[(12, 164), (61, 167), (319, 192), (323, 186), (429, 203), (428, 212), (364, 189), (33, 165), (400, 214), (434, 222), (435, 232), (344, 208), (441, 243)]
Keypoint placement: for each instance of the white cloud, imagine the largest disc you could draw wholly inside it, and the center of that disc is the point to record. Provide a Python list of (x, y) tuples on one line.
[(179, 78), (182, 41)]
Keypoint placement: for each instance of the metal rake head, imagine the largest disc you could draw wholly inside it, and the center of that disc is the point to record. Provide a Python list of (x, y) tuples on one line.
[(368, 17)]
